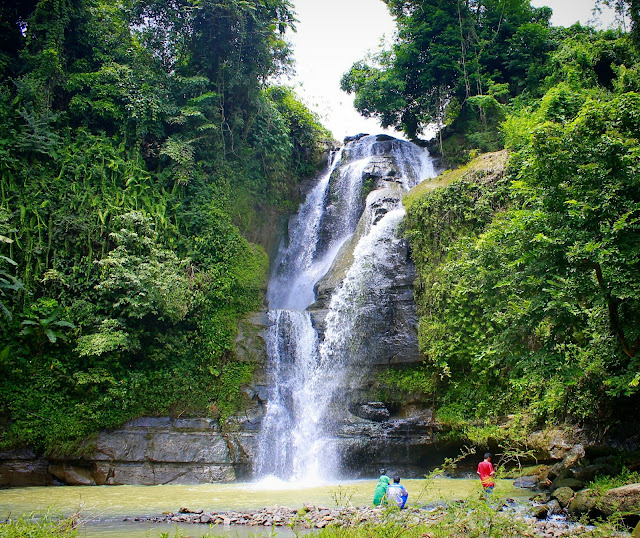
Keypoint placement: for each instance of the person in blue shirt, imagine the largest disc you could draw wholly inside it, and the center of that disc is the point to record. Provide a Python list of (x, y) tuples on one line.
[(397, 493)]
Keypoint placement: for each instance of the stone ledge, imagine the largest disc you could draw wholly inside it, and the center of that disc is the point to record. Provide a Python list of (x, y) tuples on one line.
[(145, 451)]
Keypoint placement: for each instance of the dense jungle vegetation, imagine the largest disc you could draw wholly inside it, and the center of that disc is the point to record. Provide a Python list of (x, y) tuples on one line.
[(529, 280), (141, 146), (143, 149)]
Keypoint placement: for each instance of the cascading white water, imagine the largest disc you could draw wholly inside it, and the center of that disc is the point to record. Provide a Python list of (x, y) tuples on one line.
[(306, 375), (296, 269)]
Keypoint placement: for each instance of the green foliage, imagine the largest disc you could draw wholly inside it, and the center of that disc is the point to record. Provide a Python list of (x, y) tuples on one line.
[(141, 145), (8, 283), (601, 484), (528, 285), (411, 380), (46, 526), (43, 323)]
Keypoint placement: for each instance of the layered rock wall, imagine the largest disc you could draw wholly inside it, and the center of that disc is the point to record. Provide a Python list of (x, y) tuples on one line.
[(145, 451)]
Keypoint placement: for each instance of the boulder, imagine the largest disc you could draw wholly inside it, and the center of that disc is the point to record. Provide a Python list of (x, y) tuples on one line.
[(565, 444), (563, 496), (527, 482), (583, 502), (72, 475), (540, 511), (554, 507), (625, 499)]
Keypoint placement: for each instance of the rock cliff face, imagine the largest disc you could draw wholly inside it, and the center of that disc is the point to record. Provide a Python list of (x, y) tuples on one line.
[(153, 451), (146, 451), (387, 308)]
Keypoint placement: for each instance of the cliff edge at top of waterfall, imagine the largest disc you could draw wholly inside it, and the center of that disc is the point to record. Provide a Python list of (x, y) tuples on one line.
[(486, 167)]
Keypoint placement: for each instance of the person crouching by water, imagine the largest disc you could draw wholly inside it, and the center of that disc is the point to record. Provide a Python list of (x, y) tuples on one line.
[(381, 488), (486, 472), (397, 493)]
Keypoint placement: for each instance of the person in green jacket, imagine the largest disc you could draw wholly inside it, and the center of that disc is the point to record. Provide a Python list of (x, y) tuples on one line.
[(381, 488)]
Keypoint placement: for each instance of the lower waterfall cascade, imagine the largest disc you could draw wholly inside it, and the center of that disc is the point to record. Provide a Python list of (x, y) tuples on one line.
[(330, 299)]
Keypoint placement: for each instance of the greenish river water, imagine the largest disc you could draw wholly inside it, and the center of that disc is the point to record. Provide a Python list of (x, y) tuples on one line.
[(107, 506)]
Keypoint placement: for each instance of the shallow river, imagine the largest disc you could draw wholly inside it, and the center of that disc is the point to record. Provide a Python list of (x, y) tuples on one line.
[(107, 506)]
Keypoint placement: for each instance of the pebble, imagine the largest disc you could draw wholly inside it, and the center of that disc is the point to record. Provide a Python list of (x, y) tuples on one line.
[(320, 517)]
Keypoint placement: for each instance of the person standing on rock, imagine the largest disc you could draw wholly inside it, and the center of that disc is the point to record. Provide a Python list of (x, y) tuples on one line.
[(486, 473), (381, 488), (397, 493)]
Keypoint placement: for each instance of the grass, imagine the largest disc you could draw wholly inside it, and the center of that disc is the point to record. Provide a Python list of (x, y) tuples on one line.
[(46, 526), (601, 484)]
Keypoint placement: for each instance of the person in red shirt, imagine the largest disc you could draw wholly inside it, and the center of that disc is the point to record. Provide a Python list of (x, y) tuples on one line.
[(486, 472)]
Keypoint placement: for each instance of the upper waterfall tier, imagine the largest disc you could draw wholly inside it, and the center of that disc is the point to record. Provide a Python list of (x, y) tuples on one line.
[(332, 209)]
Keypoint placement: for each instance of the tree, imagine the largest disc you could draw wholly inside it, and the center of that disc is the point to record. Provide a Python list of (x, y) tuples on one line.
[(446, 52)]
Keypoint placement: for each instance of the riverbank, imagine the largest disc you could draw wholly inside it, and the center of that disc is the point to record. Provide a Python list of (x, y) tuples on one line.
[(506, 515), (473, 517)]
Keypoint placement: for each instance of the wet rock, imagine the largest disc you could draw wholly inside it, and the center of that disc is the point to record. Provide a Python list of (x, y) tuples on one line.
[(380, 168), (354, 137), (554, 507), (376, 411), (540, 511)]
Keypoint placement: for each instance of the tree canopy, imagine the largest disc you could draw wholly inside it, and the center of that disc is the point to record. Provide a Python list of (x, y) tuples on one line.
[(446, 52)]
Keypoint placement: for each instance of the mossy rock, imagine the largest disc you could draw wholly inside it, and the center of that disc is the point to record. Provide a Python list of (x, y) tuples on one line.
[(541, 511), (531, 470), (583, 502), (563, 496)]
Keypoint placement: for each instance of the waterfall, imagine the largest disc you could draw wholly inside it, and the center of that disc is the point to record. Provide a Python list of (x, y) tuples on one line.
[(307, 372)]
